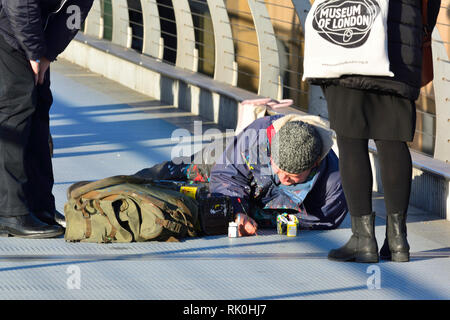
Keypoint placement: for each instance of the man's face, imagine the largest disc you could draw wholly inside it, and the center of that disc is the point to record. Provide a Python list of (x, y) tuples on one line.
[(287, 178)]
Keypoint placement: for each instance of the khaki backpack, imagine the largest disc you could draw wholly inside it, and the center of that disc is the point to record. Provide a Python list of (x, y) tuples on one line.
[(127, 209)]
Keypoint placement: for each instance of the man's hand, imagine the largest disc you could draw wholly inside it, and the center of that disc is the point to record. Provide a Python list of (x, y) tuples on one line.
[(45, 63), (39, 68), (246, 225), (35, 66)]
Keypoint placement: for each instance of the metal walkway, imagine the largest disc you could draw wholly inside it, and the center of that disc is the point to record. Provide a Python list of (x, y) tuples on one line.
[(102, 129)]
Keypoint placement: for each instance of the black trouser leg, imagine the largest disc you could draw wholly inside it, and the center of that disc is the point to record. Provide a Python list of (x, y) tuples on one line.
[(18, 99), (38, 162), (26, 174)]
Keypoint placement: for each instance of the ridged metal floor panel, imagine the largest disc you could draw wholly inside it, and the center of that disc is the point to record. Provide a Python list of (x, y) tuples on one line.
[(102, 129)]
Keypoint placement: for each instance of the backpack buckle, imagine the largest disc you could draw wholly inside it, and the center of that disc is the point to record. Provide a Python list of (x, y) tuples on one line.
[(173, 226)]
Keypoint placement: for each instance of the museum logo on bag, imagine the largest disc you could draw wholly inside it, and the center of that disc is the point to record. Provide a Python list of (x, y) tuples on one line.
[(345, 23)]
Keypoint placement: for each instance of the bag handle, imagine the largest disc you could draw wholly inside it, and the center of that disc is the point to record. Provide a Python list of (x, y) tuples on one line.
[(425, 15), (427, 56), (107, 182)]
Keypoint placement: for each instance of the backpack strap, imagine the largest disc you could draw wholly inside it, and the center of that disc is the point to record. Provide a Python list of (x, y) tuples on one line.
[(81, 205), (86, 187), (425, 15), (113, 232)]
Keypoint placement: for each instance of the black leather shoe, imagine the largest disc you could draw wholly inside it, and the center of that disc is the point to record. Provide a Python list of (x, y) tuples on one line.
[(53, 218), (28, 226)]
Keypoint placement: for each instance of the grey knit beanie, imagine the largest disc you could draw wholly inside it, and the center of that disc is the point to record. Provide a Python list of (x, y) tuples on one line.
[(296, 147)]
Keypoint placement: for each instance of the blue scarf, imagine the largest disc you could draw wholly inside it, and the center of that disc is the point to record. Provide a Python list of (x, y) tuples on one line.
[(292, 196)]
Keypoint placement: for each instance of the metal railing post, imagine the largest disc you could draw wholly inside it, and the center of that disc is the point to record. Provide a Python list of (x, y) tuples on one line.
[(185, 31), (93, 25), (152, 29), (121, 23), (269, 61), (223, 39)]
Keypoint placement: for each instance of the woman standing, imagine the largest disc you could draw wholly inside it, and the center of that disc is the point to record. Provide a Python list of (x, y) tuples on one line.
[(383, 109)]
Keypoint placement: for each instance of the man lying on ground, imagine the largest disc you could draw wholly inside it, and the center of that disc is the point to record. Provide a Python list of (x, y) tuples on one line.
[(280, 163)]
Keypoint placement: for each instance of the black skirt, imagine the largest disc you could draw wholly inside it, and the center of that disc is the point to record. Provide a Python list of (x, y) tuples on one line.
[(367, 114)]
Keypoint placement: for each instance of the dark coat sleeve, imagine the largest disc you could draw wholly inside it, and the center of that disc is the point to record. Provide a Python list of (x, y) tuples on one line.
[(61, 27), (27, 25)]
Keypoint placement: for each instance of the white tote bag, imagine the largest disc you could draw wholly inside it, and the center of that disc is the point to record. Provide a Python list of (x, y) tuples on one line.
[(346, 37)]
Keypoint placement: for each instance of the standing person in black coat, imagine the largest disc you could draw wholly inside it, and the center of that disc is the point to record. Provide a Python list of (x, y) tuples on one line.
[(32, 34), (383, 109)]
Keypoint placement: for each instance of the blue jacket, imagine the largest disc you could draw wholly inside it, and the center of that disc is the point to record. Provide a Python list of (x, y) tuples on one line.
[(244, 173)]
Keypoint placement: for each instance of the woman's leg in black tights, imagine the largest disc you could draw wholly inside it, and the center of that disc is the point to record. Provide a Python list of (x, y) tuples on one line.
[(356, 174), (356, 177), (396, 171)]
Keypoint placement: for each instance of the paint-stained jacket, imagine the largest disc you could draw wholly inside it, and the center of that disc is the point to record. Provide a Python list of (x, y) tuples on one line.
[(243, 172)]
